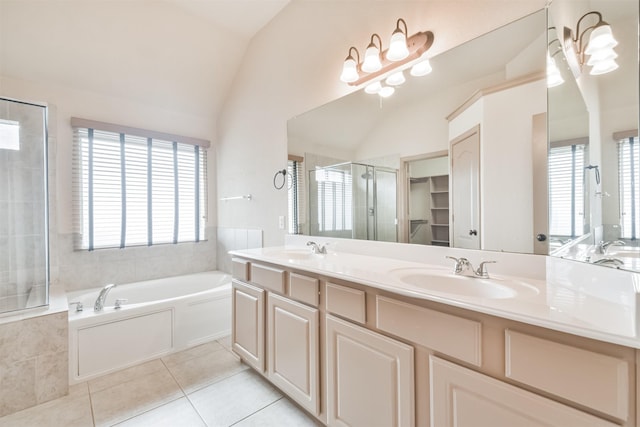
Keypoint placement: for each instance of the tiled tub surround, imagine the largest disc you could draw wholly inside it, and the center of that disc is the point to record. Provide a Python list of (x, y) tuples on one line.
[(34, 356), (85, 270), (159, 317)]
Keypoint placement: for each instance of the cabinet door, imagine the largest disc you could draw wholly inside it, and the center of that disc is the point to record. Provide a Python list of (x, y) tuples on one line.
[(247, 334), (293, 350), (370, 378), (461, 397)]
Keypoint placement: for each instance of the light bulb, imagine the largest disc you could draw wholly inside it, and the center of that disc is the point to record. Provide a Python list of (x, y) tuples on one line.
[(349, 70), (604, 67), (397, 46), (371, 62), (602, 55), (421, 68), (373, 88), (601, 38), (386, 91), (395, 79)]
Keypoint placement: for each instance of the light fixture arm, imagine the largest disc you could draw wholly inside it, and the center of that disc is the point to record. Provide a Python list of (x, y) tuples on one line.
[(406, 31), (357, 58), (372, 43), (579, 36)]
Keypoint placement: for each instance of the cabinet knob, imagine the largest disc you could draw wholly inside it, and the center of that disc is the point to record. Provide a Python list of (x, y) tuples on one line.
[(473, 232), (541, 237)]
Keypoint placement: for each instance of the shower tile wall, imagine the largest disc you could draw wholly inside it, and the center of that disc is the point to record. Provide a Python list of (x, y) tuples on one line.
[(34, 365), (22, 201)]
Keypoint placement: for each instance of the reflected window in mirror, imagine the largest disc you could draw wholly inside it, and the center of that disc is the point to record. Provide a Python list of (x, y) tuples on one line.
[(331, 192), (295, 196), (629, 187), (567, 193)]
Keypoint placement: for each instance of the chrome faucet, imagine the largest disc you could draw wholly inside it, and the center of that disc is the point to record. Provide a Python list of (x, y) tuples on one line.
[(463, 267), (102, 297), (316, 248), (602, 247)]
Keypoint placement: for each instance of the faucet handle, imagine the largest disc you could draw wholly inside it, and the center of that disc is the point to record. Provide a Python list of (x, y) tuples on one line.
[(481, 271), (460, 263), (79, 306), (119, 302)]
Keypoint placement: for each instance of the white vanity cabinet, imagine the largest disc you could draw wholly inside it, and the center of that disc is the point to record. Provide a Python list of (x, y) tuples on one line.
[(247, 336), (461, 397), (370, 377), (293, 332)]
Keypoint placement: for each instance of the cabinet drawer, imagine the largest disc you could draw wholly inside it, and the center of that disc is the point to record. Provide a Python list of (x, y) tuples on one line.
[(268, 277), (303, 288), (240, 269), (346, 302), (592, 379), (444, 333)]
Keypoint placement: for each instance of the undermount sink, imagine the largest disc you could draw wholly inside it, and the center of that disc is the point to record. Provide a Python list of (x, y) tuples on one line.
[(441, 282)]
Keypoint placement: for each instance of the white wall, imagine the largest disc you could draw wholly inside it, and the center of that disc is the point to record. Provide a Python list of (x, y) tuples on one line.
[(293, 66)]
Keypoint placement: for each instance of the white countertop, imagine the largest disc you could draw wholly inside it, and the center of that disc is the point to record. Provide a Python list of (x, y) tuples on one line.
[(589, 306)]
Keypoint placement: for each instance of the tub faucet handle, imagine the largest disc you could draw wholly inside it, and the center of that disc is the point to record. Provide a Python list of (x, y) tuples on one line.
[(119, 302), (78, 304)]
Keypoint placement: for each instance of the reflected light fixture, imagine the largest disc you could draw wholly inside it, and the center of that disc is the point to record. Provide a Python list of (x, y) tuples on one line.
[(554, 77), (404, 52), (599, 47)]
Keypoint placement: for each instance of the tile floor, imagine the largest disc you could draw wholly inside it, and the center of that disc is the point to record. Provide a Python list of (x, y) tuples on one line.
[(203, 386)]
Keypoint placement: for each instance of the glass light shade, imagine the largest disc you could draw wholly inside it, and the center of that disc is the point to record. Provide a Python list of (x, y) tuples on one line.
[(396, 79), (600, 38), (386, 91), (371, 62), (373, 88), (602, 55), (349, 71), (398, 49), (421, 68), (554, 78), (604, 67)]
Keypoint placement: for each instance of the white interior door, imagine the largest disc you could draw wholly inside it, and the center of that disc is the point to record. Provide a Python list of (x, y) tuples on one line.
[(465, 190)]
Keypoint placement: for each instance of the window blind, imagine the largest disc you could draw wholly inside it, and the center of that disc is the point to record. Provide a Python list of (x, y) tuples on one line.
[(296, 196), (334, 200), (629, 191), (566, 190), (132, 190)]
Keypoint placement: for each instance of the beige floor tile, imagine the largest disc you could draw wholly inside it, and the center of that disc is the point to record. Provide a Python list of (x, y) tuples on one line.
[(176, 413), (126, 400), (125, 375), (232, 399), (191, 353), (201, 371), (68, 411), (283, 413)]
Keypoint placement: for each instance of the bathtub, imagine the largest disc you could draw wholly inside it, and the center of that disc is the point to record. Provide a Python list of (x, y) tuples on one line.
[(159, 317)]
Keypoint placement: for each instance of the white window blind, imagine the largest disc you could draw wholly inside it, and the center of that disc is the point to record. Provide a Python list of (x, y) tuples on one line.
[(628, 182), (334, 200), (296, 185), (566, 190), (131, 190)]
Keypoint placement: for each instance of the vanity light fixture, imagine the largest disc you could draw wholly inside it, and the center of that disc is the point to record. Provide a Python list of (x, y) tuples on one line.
[(599, 48), (403, 52)]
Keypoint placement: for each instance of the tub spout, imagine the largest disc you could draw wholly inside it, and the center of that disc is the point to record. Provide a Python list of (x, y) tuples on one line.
[(99, 305)]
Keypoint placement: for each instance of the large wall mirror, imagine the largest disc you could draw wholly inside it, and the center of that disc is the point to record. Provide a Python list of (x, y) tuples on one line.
[(593, 136), (378, 168)]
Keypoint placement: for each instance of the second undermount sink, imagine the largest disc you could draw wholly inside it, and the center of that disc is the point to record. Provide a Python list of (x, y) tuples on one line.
[(442, 282)]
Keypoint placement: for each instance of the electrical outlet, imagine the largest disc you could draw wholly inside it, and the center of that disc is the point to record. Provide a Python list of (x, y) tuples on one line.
[(281, 222)]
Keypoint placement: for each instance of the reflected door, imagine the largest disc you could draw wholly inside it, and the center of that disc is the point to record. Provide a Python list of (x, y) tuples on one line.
[(465, 190)]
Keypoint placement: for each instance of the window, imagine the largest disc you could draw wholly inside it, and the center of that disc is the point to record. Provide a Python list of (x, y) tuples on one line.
[(9, 135), (295, 196), (628, 181), (133, 190), (334, 200), (566, 190)]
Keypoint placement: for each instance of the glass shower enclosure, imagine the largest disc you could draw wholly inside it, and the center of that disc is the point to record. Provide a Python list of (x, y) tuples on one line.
[(24, 253), (353, 200)]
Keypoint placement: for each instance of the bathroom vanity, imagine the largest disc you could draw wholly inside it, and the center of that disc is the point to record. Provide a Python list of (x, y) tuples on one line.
[(363, 340)]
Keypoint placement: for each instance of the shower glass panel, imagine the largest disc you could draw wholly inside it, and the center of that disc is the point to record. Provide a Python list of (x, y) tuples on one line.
[(353, 200), (24, 257)]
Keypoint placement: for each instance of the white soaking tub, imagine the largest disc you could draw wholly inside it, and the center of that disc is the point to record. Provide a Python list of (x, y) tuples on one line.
[(159, 317)]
